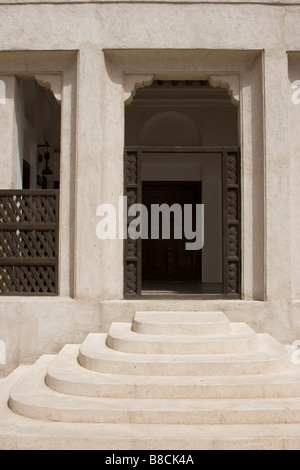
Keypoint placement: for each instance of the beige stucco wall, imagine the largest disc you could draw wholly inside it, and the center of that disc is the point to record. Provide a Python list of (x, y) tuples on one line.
[(97, 48)]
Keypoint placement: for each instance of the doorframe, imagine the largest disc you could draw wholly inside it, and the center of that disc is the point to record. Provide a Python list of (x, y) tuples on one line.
[(231, 223)]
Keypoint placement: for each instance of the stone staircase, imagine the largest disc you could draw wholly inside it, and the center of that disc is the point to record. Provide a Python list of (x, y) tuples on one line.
[(168, 380)]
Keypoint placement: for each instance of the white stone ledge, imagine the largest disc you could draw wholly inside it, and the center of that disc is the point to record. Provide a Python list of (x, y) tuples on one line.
[(14, 300), (221, 2)]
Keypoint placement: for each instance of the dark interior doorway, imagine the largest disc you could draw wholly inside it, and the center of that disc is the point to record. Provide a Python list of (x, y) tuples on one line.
[(26, 175), (166, 259)]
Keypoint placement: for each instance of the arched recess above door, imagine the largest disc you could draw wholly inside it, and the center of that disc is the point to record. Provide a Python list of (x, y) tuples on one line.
[(170, 128)]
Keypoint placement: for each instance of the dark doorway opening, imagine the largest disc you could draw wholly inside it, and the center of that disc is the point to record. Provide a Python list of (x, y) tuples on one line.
[(166, 259)]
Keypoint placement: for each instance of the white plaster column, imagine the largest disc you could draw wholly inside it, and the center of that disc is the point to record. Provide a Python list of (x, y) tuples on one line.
[(112, 179), (252, 183), (9, 153), (294, 102), (88, 276), (67, 181), (247, 209), (277, 180)]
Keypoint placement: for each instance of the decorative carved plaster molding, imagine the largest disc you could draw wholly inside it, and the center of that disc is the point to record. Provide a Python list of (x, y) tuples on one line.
[(134, 81), (51, 82), (230, 82)]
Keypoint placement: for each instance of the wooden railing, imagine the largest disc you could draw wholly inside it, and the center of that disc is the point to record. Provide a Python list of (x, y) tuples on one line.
[(29, 242)]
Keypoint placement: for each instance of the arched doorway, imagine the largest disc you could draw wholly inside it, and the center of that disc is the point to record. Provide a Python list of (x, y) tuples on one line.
[(181, 147)]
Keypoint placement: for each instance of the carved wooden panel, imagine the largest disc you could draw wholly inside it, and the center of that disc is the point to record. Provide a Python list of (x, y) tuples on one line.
[(131, 168), (231, 223), (132, 248), (131, 277)]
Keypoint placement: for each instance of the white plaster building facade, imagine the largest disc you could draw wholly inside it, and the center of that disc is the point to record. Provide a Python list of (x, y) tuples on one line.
[(93, 78)]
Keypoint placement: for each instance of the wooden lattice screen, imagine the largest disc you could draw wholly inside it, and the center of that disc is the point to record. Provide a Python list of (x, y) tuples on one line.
[(28, 242)]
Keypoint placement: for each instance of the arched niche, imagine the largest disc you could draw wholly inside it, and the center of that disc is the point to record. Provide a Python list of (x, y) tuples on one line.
[(170, 128)]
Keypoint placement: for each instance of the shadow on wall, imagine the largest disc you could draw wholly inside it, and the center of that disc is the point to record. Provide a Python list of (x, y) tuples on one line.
[(2, 352), (170, 128)]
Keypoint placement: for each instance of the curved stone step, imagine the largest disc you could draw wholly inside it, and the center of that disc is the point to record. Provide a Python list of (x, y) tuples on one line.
[(30, 397), (180, 323), (269, 356), (65, 375), (22, 433), (239, 338)]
